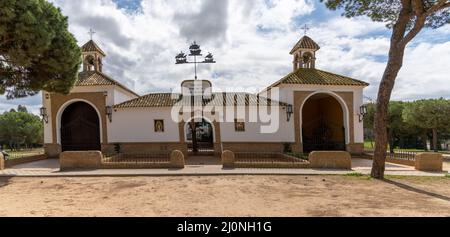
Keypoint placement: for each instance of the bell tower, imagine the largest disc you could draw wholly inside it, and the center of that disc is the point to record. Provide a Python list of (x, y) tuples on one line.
[(304, 53), (92, 57)]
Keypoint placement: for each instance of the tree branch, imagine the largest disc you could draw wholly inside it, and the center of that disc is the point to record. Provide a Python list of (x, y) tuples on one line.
[(421, 17), (439, 6), (418, 26), (418, 7)]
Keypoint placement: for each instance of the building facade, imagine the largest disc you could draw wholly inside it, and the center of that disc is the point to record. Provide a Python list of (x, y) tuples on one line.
[(308, 109)]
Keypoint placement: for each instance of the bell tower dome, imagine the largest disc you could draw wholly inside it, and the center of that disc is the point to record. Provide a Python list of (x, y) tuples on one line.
[(304, 53), (92, 57)]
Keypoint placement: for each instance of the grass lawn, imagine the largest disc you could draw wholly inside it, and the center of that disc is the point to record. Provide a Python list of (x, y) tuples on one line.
[(24, 153), (368, 147)]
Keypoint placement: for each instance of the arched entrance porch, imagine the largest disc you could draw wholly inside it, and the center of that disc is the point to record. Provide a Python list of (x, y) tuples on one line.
[(80, 128), (203, 138), (323, 123)]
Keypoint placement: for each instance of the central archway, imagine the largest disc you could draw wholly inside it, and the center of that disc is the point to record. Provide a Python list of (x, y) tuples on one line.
[(204, 135), (80, 128), (323, 124)]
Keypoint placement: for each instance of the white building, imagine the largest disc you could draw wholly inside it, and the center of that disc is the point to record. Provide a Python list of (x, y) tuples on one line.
[(308, 109)]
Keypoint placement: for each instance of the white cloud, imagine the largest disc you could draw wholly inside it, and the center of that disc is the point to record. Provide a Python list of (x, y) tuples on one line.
[(251, 41)]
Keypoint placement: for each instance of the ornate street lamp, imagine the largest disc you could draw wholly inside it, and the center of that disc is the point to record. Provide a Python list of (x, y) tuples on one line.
[(362, 112), (289, 112), (195, 52), (109, 111), (43, 113)]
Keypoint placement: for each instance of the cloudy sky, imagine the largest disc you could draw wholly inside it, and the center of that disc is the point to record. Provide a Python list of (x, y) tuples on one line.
[(251, 41)]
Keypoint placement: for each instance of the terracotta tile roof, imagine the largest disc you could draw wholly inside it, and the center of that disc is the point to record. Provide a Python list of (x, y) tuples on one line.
[(150, 100), (95, 78), (91, 46), (305, 43), (217, 99), (312, 76)]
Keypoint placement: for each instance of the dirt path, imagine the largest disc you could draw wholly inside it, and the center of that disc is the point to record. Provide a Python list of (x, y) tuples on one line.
[(225, 196)]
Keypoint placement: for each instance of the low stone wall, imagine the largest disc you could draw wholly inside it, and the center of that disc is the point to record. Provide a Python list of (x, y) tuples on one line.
[(52, 150), (429, 161), (401, 161), (145, 147), (261, 160), (177, 159), (95, 160), (80, 160), (228, 159), (253, 146), (355, 148), (330, 160), (23, 160), (2, 162)]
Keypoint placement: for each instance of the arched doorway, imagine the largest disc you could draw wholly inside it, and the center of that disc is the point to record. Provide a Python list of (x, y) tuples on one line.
[(80, 128), (323, 126), (204, 136)]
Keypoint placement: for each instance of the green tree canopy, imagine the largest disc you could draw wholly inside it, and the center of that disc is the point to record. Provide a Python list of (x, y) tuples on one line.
[(433, 114), (433, 13), (19, 129), (37, 52), (406, 18), (397, 128), (22, 108)]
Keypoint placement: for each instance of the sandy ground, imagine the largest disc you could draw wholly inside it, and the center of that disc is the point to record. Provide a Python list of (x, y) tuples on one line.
[(225, 196)]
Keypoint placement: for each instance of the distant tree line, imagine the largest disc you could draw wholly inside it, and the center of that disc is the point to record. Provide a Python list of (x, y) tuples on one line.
[(412, 124), (20, 129)]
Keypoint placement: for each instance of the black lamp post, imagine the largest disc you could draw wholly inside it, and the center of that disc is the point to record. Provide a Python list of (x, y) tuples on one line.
[(43, 113), (109, 111), (362, 112), (195, 52), (289, 112)]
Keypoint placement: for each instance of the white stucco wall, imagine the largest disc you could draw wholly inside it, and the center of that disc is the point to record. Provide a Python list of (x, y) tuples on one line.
[(137, 125), (115, 94), (108, 89), (121, 95), (358, 126), (283, 131), (48, 135), (287, 95)]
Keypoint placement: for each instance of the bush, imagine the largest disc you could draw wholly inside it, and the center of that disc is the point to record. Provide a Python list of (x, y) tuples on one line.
[(287, 147)]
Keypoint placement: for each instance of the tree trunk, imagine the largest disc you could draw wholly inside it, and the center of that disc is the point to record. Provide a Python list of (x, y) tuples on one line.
[(425, 140), (435, 140), (390, 138), (194, 136), (394, 64)]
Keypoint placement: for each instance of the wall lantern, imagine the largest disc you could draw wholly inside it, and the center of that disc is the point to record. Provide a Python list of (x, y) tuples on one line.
[(47, 96), (362, 112), (109, 112), (43, 113), (289, 112)]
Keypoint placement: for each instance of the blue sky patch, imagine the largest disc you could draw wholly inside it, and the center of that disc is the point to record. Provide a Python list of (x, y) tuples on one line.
[(129, 5)]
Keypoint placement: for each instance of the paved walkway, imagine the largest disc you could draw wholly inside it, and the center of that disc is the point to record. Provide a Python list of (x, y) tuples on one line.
[(49, 168)]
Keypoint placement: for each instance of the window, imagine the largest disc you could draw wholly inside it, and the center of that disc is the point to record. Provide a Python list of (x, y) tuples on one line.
[(239, 125), (159, 125)]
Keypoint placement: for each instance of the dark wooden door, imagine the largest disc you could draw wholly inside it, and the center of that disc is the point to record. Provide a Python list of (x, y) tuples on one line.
[(318, 136), (80, 128)]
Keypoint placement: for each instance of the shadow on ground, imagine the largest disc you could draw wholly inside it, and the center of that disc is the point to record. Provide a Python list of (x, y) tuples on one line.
[(417, 190), (4, 181)]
